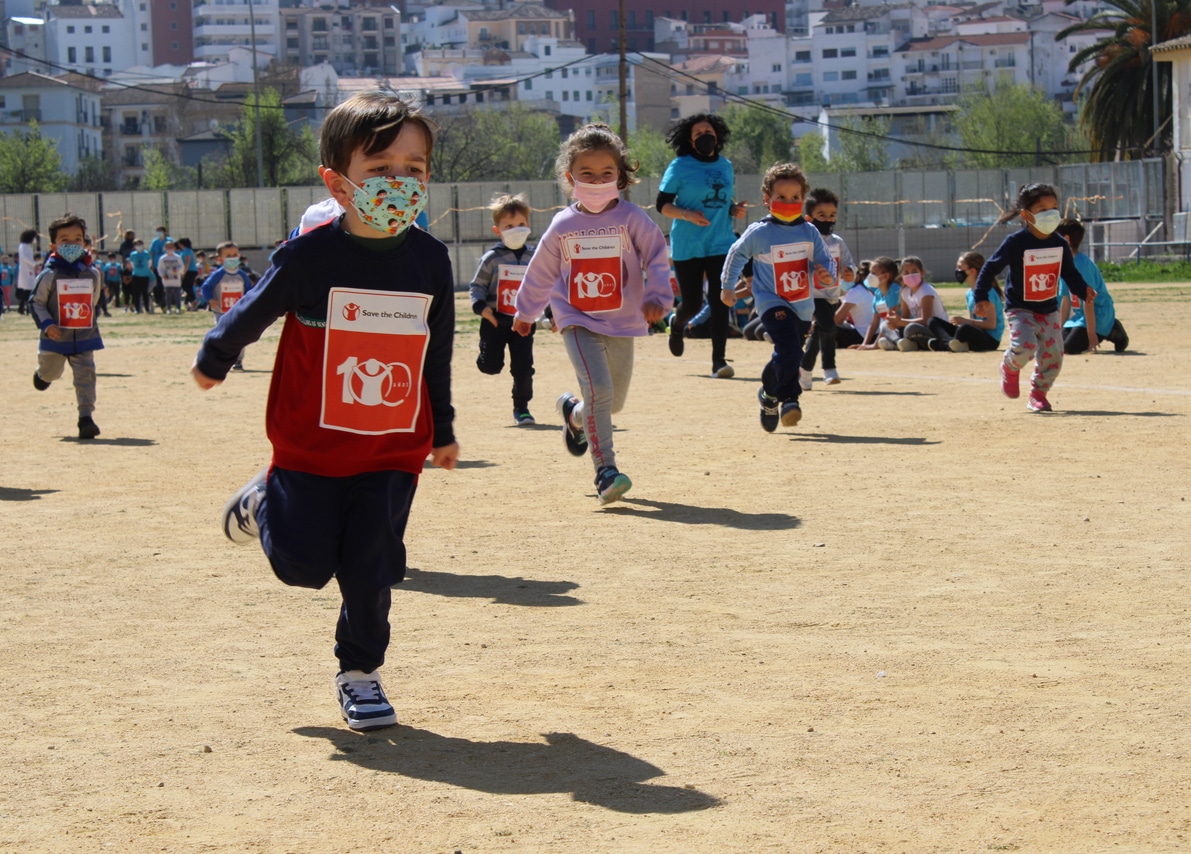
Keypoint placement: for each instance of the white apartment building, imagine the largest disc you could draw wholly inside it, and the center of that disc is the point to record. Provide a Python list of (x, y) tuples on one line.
[(1050, 58), (64, 110), (361, 40), (220, 25), (936, 70), (26, 35), (97, 40)]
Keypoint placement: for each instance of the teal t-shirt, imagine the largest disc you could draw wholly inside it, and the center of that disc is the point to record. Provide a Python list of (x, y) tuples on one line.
[(141, 263), (704, 187), (998, 305), (1106, 313)]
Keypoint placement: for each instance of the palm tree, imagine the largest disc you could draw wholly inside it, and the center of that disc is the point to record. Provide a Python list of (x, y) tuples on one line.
[(1117, 89)]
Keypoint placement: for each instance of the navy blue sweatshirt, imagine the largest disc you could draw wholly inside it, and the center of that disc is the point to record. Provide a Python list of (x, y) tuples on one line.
[(1014, 255), (297, 285)]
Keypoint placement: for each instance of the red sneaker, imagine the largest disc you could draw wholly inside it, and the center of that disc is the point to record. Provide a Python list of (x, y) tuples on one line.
[(1038, 402), (1010, 382)]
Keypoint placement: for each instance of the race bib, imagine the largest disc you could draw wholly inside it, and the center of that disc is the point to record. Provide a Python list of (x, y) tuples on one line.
[(508, 280), (231, 289), (74, 303), (1076, 302), (375, 349), (833, 251), (595, 284), (792, 271), (1041, 269)]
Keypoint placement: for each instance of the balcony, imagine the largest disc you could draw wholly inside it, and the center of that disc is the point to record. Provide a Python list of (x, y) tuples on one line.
[(1007, 62)]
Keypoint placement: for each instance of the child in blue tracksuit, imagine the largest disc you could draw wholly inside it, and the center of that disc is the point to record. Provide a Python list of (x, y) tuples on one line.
[(226, 286), (787, 254), (64, 305), (822, 208), (112, 272), (493, 294), (1076, 336)]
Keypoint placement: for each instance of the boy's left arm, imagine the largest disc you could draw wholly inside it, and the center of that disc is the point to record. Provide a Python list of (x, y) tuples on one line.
[(437, 370), (823, 260)]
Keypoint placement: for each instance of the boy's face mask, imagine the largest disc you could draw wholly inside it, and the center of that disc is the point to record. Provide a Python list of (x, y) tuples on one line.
[(373, 199), (231, 264), (71, 251), (515, 237), (786, 211)]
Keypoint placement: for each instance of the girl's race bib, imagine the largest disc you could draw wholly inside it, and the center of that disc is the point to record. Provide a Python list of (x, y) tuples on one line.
[(231, 289), (1040, 268), (508, 280), (375, 349), (74, 303), (596, 274), (792, 271)]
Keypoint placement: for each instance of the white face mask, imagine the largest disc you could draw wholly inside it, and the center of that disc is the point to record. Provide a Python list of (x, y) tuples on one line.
[(1047, 221), (515, 237), (873, 281)]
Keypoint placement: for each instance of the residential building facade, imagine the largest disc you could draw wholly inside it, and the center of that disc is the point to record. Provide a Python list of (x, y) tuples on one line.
[(66, 112), (597, 22), (354, 41), (96, 40), (220, 25)]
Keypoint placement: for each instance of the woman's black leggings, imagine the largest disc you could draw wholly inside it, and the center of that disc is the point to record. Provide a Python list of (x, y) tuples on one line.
[(690, 274)]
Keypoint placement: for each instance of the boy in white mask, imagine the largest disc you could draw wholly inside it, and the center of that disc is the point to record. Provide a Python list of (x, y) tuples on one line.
[(226, 286), (493, 293)]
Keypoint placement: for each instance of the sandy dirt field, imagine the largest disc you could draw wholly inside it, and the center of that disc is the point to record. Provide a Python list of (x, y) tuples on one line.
[(924, 620)]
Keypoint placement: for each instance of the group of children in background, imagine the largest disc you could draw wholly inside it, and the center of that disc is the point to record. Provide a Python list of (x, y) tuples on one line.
[(360, 392)]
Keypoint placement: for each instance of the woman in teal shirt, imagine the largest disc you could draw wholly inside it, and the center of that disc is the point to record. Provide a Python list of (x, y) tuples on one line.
[(696, 192)]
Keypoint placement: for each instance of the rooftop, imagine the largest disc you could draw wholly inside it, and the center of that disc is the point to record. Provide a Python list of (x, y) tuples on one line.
[(102, 10), (521, 10)]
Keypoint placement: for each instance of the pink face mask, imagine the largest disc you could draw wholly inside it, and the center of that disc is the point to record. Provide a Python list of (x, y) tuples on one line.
[(912, 280), (595, 197)]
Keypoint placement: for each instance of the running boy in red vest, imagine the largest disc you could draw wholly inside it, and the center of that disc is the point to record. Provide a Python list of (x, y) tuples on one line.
[(361, 389)]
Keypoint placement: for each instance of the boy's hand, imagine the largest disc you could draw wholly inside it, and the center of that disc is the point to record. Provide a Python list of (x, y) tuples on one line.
[(53, 332), (204, 381), (728, 296), (823, 276), (1093, 340), (522, 327), (737, 210), (848, 275), (653, 312), (489, 315), (446, 456)]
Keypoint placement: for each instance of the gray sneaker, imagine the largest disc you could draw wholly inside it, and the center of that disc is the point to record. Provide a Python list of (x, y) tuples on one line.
[(362, 700), (239, 514)]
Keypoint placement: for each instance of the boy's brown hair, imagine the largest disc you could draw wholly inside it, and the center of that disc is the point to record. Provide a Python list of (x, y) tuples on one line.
[(1073, 230), (66, 221), (369, 121), (508, 205), (783, 172), (227, 244)]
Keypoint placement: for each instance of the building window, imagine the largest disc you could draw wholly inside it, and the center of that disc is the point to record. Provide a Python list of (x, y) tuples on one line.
[(173, 46), (846, 52), (528, 85), (802, 56), (776, 68), (549, 95), (615, 15), (804, 79), (830, 76), (830, 53), (848, 75), (70, 30), (107, 53), (71, 55), (292, 44), (591, 22), (546, 52), (591, 45), (549, 73), (589, 94), (632, 21), (566, 95), (173, 25), (87, 29), (144, 28)]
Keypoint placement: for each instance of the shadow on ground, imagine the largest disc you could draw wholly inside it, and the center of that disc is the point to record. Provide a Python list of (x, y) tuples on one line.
[(501, 589), (565, 763)]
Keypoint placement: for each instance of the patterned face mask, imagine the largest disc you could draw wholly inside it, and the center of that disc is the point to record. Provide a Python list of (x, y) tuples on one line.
[(389, 205), (71, 252)]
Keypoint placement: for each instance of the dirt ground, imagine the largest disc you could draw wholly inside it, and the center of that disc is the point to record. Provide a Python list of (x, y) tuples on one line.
[(924, 620)]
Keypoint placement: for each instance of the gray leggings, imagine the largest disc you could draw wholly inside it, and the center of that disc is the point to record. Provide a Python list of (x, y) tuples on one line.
[(50, 367), (604, 367)]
